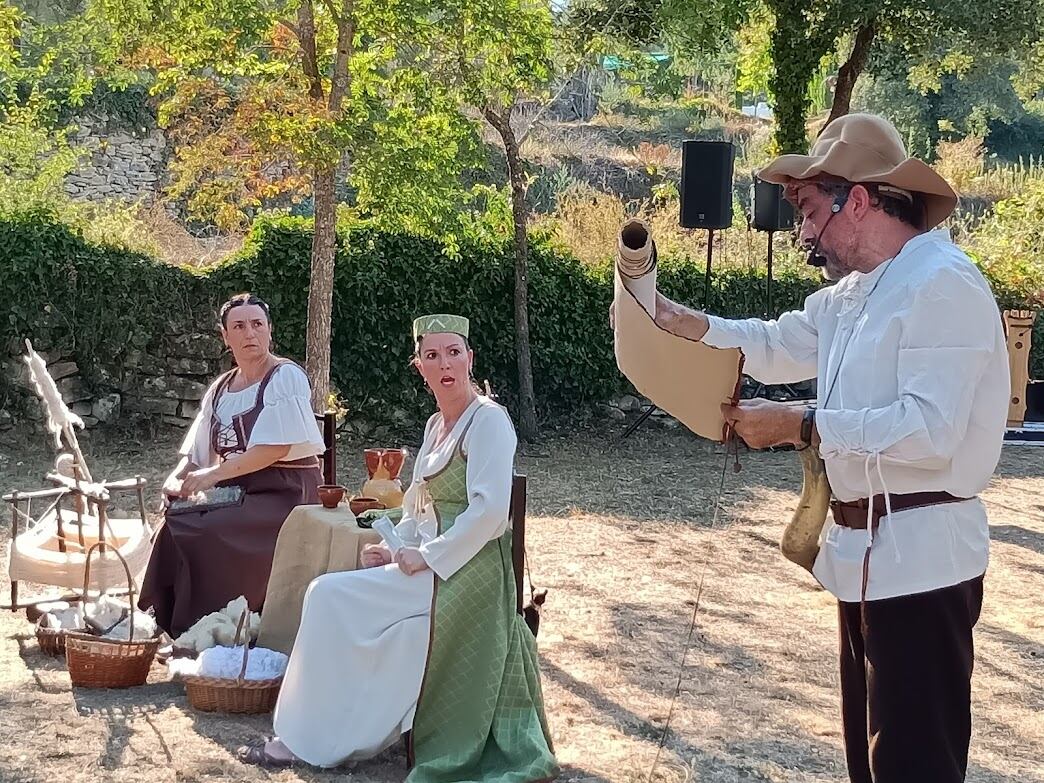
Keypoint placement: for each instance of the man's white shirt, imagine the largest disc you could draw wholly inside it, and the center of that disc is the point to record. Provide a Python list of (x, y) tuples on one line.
[(913, 387)]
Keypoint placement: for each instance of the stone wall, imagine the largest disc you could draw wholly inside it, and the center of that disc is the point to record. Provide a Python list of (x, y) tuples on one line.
[(165, 384), (118, 164)]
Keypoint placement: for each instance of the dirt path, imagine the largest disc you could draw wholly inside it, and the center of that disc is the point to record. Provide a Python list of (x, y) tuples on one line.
[(619, 538)]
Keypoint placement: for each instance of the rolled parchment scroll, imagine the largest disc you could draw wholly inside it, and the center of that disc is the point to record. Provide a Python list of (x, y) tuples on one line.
[(683, 377)]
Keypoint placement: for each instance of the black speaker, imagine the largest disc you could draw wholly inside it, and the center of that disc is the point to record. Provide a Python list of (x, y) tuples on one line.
[(706, 184), (769, 210)]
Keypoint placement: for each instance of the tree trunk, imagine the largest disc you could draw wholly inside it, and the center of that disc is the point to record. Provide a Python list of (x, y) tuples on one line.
[(320, 290), (309, 57), (528, 429), (796, 50), (324, 240), (848, 73), (341, 80)]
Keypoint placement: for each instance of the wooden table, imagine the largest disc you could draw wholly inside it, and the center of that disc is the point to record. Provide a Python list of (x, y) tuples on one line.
[(313, 541)]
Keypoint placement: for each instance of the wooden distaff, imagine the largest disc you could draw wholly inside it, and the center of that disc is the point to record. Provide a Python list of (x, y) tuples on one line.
[(800, 540)]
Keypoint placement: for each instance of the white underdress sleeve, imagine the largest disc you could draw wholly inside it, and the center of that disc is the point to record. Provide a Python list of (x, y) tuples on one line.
[(196, 443), (407, 526), (287, 418), (490, 447)]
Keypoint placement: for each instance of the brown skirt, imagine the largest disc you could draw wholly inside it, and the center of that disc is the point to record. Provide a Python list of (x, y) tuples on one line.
[(200, 561)]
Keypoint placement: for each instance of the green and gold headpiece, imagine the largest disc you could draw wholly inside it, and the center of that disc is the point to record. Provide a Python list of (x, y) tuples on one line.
[(430, 324)]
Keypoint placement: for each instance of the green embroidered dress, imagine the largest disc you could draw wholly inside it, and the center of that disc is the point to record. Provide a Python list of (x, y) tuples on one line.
[(480, 715)]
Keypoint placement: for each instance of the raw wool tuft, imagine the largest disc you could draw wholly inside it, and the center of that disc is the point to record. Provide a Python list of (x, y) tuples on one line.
[(219, 628), (60, 615), (104, 613), (59, 417), (145, 627)]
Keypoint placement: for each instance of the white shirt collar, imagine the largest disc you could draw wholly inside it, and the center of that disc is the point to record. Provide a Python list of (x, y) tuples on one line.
[(858, 284)]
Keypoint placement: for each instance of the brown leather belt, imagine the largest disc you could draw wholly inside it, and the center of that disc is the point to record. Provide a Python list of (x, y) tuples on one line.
[(852, 514), (304, 463)]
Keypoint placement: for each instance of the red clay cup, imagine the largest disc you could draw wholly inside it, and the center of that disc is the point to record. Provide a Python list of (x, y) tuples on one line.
[(331, 494), (360, 504)]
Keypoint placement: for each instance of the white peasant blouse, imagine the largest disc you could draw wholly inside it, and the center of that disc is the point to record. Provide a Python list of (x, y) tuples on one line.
[(286, 419)]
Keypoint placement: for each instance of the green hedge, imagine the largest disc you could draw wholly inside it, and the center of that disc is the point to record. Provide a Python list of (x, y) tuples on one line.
[(79, 298), (383, 280), (100, 303)]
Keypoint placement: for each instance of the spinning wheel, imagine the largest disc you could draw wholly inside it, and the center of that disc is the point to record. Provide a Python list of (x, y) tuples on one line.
[(51, 548)]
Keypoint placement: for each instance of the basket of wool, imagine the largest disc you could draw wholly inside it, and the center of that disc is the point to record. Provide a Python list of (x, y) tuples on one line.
[(234, 679)]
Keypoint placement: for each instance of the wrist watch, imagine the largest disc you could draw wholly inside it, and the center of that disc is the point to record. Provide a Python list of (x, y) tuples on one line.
[(807, 422)]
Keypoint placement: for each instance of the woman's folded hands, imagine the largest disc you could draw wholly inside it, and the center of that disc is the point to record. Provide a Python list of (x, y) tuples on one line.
[(410, 561)]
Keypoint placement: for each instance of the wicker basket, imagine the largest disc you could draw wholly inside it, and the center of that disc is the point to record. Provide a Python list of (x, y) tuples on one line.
[(239, 695), (95, 662), (51, 640)]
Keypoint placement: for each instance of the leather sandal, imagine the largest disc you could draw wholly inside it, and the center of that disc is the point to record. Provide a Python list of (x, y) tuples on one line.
[(254, 753)]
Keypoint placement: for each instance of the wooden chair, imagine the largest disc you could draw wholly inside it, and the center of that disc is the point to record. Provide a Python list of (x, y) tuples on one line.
[(529, 609), (328, 421), (1018, 330), (517, 516)]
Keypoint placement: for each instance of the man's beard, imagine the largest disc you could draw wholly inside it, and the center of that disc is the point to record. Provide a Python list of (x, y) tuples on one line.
[(834, 269)]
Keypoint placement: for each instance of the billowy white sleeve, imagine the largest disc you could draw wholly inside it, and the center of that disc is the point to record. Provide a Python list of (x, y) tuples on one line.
[(777, 351), (196, 443), (490, 446), (287, 418), (948, 337), (406, 527)]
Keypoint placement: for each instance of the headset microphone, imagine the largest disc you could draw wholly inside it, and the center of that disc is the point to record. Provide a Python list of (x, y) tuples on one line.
[(814, 259)]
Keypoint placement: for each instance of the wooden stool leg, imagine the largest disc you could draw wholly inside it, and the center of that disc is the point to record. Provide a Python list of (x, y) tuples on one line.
[(14, 535), (141, 502)]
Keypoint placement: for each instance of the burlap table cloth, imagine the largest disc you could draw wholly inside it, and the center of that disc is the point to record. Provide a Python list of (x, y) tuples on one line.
[(313, 541)]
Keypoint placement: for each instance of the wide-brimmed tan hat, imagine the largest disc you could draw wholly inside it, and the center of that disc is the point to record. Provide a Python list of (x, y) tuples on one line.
[(865, 148)]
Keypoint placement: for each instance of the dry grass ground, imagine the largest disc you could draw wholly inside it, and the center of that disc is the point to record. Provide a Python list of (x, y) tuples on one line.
[(620, 538)]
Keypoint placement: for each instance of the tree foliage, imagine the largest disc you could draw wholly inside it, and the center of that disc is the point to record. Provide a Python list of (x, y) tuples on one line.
[(494, 62), (293, 98), (806, 32), (754, 54), (242, 108), (686, 27), (980, 99), (34, 162), (56, 62), (49, 67)]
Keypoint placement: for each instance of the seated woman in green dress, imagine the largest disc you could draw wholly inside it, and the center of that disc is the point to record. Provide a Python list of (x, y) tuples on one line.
[(427, 641)]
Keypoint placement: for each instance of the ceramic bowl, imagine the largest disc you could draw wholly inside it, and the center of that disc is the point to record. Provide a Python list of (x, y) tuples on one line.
[(331, 494), (360, 504)]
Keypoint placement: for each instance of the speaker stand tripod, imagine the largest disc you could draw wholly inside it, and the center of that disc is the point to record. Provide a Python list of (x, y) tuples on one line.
[(707, 274), (768, 279), (636, 423)]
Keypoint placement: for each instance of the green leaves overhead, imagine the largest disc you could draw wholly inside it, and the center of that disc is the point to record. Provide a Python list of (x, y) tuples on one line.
[(934, 37), (494, 51), (253, 100), (686, 27)]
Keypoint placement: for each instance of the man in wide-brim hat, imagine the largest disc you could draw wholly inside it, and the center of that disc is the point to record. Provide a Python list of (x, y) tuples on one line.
[(912, 392)]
